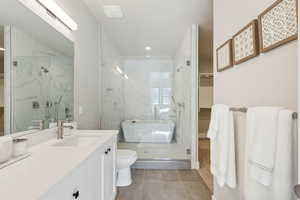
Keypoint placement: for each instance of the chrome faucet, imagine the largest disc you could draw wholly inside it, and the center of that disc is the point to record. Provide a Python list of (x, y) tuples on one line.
[(60, 129)]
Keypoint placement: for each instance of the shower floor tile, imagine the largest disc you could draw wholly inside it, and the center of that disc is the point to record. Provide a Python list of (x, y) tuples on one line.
[(165, 185)]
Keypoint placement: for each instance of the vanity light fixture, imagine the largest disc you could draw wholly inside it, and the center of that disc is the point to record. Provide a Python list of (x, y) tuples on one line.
[(2, 49), (57, 12), (148, 48)]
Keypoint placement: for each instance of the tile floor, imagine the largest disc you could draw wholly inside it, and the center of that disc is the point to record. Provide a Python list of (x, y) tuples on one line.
[(165, 185)]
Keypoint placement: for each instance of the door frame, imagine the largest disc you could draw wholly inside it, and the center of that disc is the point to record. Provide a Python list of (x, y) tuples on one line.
[(195, 164), (298, 101)]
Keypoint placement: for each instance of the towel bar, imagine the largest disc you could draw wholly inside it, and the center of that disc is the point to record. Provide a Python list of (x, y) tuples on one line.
[(243, 109)]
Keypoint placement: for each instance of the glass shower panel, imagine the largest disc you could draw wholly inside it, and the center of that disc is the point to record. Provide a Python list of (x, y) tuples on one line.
[(142, 108), (42, 91), (61, 87), (30, 86)]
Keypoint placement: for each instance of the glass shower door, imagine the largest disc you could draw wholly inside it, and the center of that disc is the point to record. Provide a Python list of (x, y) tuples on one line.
[(30, 92)]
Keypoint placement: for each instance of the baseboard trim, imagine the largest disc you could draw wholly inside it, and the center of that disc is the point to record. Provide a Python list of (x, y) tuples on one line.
[(162, 164), (196, 165)]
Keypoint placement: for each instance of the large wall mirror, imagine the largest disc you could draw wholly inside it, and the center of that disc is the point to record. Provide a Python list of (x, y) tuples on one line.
[(36, 76)]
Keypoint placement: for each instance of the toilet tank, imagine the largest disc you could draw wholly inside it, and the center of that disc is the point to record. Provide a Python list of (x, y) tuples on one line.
[(148, 131)]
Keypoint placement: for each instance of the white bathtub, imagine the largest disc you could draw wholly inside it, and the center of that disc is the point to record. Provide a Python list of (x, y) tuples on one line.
[(148, 131)]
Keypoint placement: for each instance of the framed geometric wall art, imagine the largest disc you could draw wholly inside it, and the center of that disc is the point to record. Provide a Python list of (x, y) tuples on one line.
[(278, 24), (224, 56), (245, 43)]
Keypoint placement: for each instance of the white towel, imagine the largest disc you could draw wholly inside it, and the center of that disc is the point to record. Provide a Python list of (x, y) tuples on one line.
[(283, 180), (262, 129), (221, 133), (285, 172)]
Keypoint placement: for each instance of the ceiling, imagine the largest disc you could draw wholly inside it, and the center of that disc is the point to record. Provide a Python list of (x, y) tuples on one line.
[(160, 24)]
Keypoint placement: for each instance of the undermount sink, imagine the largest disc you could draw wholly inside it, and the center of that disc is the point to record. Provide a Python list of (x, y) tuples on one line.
[(78, 140)]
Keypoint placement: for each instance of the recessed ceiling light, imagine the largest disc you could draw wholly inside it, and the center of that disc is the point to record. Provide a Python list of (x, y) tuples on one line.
[(113, 11), (148, 48), (2, 49)]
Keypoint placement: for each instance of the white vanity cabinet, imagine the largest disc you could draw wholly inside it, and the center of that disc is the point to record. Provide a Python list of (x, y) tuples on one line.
[(93, 179)]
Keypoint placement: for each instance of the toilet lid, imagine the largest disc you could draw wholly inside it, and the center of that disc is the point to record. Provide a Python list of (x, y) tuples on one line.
[(125, 153)]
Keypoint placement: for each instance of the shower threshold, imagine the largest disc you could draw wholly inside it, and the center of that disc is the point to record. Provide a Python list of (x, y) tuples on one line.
[(162, 164)]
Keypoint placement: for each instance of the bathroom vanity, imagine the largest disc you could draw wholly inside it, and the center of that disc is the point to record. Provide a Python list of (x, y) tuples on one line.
[(39, 90), (81, 166)]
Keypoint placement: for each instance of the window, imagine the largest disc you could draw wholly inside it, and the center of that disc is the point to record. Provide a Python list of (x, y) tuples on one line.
[(161, 96), (166, 96), (155, 96)]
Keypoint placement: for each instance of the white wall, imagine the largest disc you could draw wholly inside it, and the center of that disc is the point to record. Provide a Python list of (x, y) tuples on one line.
[(87, 57), (269, 79)]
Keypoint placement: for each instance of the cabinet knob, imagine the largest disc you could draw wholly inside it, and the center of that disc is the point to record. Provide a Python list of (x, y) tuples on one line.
[(109, 149), (106, 152), (76, 194)]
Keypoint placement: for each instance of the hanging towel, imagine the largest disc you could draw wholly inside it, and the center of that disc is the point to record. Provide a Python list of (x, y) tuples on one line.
[(221, 133), (262, 129), (285, 170), (283, 180)]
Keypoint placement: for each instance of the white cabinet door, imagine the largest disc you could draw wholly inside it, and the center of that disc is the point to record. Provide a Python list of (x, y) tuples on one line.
[(72, 187), (94, 179), (95, 176), (108, 171)]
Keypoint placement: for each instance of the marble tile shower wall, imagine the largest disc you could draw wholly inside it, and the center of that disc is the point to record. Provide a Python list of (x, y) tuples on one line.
[(148, 90), (41, 75), (146, 94)]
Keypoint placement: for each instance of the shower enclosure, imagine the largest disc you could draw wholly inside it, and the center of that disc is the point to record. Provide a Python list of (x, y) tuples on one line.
[(145, 101)]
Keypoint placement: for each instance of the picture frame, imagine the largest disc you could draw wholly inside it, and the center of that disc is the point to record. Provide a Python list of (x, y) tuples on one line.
[(273, 35), (245, 43), (224, 56)]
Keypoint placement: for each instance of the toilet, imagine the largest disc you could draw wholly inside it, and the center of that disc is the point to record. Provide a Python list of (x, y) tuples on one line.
[(125, 158)]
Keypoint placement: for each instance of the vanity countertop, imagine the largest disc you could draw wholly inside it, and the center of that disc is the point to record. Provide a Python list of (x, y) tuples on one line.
[(30, 178)]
